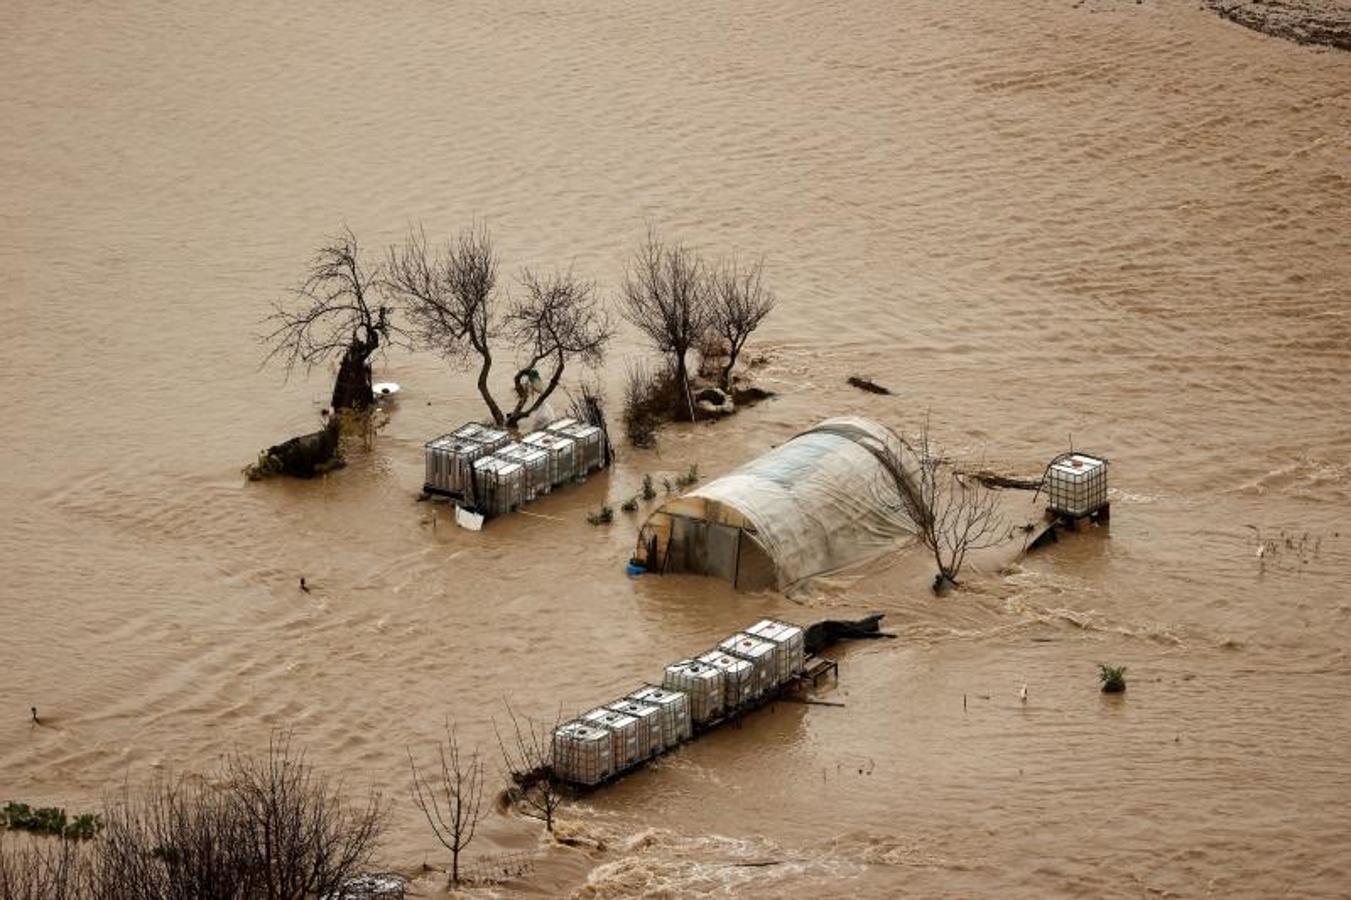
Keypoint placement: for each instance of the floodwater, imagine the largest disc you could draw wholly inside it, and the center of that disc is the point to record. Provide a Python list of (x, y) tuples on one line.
[(1122, 224)]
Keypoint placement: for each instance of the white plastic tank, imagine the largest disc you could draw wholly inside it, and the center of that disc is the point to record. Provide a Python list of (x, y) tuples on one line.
[(499, 485), (623, 730), (449, 462), (1076, 484), (651, 739), (738, 678), (590, 443), (702, 683), (583, 753), (675, 712), (535, 461), (562, 452), (760, 653), (493, 438), (787, 639)]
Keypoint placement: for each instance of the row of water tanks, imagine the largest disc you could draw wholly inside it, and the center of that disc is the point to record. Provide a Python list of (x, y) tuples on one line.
[(739, 673), (483, 468)]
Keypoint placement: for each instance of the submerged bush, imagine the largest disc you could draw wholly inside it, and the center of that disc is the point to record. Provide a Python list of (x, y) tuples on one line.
[(604, 516), (1113, 678), (649, 491), (649, 396)]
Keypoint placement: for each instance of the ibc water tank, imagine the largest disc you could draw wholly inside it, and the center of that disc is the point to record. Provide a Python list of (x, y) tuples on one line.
[(760, 653), (675, 711), (651, 739), (738, 678), (1076, 484), (583, 753), (702, 683), (623, 732), (788, 643)]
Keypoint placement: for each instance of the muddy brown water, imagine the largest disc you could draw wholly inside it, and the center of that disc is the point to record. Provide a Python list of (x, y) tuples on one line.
[(1122, 224)]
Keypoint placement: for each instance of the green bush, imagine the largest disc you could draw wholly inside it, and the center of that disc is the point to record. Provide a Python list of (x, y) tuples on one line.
[(1113, 678)]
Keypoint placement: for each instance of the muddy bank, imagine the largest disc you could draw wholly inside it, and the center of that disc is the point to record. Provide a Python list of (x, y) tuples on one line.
[(1304, 21)]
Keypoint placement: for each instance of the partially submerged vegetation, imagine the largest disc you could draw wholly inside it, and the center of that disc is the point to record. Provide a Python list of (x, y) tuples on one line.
[(49, 820), (1112, 678)]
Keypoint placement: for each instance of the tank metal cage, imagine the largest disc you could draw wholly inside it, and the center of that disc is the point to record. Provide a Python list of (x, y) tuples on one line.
[(583, 753), (1076, 484), (562, 452), (590, 443), (499, 486), (535, 461)]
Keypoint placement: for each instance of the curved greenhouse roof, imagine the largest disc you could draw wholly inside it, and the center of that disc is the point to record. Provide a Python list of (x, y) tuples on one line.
[(825, 500)]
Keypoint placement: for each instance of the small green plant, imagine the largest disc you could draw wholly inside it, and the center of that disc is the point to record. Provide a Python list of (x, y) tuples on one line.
[(1113, 678), (649, 491), (666, 484), (689, 478), (605, 516), (49, 820), (630, 505)]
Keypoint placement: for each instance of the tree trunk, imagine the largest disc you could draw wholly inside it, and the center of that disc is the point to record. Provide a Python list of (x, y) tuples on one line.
[(496, 411), (352, 389), (684, 406)]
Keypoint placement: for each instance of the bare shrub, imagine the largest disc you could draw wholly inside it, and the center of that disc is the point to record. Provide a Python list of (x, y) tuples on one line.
[(527, 753), (42, 869), (952, 516), (451, 797), (300, 836), (740, 302), (589, 406), (260, 827), (649, 395), (334, 311), (667, 295)]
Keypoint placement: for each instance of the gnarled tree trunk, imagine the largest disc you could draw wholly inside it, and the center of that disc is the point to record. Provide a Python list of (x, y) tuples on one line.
[(352, 388)]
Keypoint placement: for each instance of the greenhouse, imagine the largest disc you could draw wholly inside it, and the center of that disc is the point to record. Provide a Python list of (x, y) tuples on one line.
[(826, 500)]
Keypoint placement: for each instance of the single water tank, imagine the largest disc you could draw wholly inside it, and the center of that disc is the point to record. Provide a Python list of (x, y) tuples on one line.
[(675, 711), (651, 741), (788, 644), (702, 683), (583, 753), (760, 654), (738, 678), (1076, 484), (623, 732)]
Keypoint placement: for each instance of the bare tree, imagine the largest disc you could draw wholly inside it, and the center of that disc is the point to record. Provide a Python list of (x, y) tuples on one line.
[(449, 294), (334, 311), (952, 516), (559, 320), (740, 302), (451, 797), (451, 297), (301, 837), (528, 755), (667, 295)]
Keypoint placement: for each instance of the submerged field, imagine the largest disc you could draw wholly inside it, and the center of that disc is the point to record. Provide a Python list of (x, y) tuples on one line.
[(1119, 224)]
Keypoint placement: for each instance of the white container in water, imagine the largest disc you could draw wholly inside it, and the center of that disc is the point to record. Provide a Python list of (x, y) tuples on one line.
[(449, 464), (760, 653), (787, 639), (562, 452), (1076, 485), (590, 443), (623, 730), (702, 683), (499, 485), (583, 753), (535, 461), (675, 712), (651, 739), (493, 438), (738, 678)]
